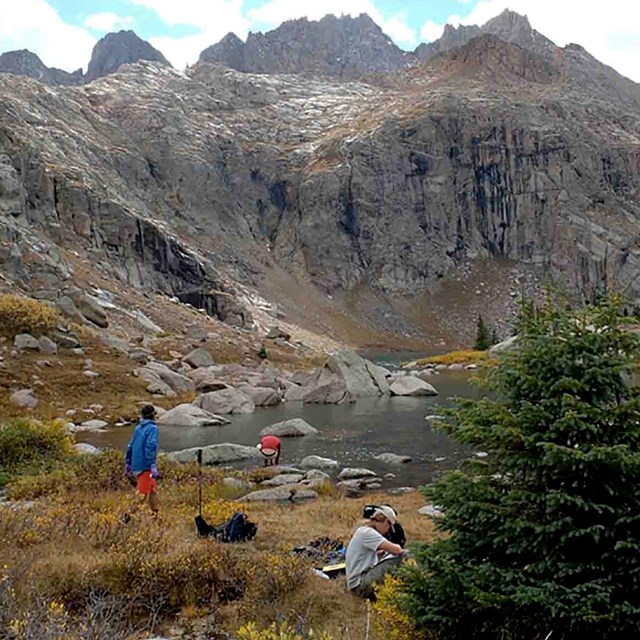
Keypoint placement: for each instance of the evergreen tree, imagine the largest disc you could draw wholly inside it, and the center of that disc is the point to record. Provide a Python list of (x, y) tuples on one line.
[(483, 340), (544, 534)]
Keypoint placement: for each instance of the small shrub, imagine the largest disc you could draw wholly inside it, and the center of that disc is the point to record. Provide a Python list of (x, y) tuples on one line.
[(389, 620), (466, 356), (32, 444), (24, 315), (277, 631)]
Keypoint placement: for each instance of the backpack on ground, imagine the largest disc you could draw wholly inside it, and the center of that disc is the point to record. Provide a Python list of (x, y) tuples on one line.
[(237, 529)]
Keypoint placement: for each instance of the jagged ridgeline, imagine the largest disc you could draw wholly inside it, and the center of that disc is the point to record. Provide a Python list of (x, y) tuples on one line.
[(411, 187)]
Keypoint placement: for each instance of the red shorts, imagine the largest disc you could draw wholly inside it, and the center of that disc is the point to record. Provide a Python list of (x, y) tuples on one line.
[(146, 484)]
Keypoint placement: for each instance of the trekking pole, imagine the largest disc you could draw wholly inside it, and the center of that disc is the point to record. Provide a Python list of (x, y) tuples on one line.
[(200, 482)]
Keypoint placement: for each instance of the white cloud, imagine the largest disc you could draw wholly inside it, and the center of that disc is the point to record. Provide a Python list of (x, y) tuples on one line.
[(610, 32), (214, 19), (274, 12), (430, 31), (35, 25), (107, 22)]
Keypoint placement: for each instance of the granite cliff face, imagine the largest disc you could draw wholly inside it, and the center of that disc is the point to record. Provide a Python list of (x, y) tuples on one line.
[(343, 47), (375, 196)]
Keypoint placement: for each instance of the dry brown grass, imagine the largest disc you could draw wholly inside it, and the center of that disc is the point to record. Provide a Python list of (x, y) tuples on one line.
[(71, 545)]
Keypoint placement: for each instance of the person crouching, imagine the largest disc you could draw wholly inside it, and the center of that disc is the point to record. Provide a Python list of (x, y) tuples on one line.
[(270, 447), (370, 556), (140, 459)]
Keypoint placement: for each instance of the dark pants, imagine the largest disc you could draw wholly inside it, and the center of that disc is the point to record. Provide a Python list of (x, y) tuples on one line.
[(376, 575)]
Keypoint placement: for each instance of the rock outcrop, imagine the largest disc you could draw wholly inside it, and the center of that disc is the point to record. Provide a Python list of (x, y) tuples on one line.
[(342, 47), (181, 183), (116, 49), (26, 63)]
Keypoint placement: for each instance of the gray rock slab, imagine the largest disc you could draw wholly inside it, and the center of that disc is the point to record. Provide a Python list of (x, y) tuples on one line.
[(47, 347), (289, 429), (25, 341), (286, 478), (411, 386), (506, 346), (318, 462), (84, 448), (262, 396), (281, 494), (351, 473), (225, 401), (24, 398), (431, 510), (392, 458), (188, 415), (92, 425), (225, 452), (199, 357)]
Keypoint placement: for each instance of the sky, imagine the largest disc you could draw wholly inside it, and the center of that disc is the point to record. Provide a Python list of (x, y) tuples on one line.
[(63, 32)]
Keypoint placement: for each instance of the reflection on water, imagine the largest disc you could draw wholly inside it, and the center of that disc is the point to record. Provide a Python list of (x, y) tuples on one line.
[(351, 433)]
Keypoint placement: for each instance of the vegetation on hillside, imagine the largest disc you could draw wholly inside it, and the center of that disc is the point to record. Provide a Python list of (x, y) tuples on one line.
[(19, 314), (543, 535), (71, 568)]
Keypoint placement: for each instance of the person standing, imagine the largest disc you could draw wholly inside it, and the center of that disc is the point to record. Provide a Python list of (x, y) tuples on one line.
[(270, 447), (370, 556), (140, 459)]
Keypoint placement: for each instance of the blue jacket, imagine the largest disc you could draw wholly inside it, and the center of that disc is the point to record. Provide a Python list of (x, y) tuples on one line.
[(143, 447)]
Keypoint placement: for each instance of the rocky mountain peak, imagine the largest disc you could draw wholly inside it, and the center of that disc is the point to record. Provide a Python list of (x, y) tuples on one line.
[(508, 26), (27, 63), (512, 27), (344, 47), (116, 49)]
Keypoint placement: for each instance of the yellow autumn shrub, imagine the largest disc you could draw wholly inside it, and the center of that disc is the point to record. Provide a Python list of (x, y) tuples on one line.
[(19, 314)]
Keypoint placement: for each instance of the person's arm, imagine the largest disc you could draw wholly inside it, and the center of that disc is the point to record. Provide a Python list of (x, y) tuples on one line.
[(151, 447), (390, 547), (129, 454)]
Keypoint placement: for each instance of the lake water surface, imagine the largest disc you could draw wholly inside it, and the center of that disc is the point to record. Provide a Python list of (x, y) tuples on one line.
[(350, 433)]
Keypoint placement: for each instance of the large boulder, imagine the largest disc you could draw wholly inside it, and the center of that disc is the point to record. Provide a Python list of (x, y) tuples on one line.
[(356, 373), (289, 429), (351, 473), (295, 393), (392, 458), (68, 308), (332, 392), (47, 346), (217, 454), (24, 398), (262, 396), (188, 415), (25, 341), (411, 386), (281, 494), (225, 401), (199, 358), (282, 479), (317, 462), (162, 380), (90, 307), (506, 346)]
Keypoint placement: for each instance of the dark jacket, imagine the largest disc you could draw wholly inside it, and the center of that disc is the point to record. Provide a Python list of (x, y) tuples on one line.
[(143, 447)]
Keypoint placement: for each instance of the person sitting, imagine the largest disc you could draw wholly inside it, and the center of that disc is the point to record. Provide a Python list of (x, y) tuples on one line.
[(396, 532), (370, 556), (270, 447)]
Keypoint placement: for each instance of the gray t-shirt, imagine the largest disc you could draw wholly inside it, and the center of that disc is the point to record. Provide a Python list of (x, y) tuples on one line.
[(361, 554)]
